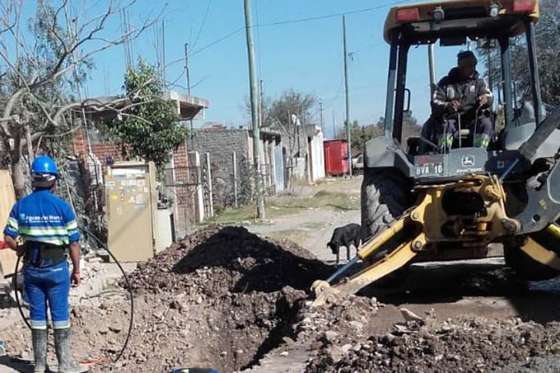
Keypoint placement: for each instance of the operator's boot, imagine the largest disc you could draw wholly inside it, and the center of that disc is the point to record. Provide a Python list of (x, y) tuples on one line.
[(66, 363), (39, 340)]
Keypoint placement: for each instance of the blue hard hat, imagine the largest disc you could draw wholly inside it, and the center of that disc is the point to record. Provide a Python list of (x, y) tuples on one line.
[(44, 165)]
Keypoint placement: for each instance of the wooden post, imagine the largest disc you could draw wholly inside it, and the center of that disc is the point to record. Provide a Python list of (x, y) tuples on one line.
[(210, 194), (199, 192), (234, 160)]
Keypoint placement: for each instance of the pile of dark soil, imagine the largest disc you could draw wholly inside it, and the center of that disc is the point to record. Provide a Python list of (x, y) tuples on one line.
[(224, 298), (233, 259), (220, 298), (469, 345)]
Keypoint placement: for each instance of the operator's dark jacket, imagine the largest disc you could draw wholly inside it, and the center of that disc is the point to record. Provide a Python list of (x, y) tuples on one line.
[(454, 87)]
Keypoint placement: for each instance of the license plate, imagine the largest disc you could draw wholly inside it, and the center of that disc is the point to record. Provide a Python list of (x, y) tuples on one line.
[(430, 169)]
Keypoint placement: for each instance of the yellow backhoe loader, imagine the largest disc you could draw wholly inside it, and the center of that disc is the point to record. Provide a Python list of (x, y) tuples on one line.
[(421, 202)]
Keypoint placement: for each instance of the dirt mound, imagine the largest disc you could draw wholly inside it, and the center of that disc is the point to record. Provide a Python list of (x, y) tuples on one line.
[(220, 298), (230, 259), (225, 298), (472, 345)]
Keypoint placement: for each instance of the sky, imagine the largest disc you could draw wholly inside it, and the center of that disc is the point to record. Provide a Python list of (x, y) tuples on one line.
[(298, 45)]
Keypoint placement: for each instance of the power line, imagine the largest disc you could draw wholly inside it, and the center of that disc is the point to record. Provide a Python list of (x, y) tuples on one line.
[(202, 24), (300, 20), (225, 37), (332, 15), (278, 23)]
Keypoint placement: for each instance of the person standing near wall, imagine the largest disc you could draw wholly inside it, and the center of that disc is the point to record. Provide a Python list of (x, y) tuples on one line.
[(47, 226)]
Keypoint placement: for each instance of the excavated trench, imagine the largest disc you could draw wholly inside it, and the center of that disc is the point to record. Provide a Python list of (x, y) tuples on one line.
[(221, 298), (225, 298)]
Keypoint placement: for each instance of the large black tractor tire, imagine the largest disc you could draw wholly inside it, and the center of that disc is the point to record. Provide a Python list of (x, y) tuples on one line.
[(525, 267), (385, 195)]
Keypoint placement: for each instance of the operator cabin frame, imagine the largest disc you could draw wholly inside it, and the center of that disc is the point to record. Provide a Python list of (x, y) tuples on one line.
[(453, 22)]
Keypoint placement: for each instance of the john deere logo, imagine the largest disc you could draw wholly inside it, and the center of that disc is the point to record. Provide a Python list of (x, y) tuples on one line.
[(467, 161)]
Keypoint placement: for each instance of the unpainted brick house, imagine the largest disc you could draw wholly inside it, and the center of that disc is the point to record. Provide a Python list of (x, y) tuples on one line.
[(97, 153)]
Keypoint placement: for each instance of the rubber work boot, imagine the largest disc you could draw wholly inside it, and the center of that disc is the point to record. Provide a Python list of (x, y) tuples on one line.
[(39, 340), (66, 363)]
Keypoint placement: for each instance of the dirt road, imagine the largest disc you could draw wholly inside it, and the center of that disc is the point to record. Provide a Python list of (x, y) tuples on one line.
[(226, 298), (479, 287), (312, 227)]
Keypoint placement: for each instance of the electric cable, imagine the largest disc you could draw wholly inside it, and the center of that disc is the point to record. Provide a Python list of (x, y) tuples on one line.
[(202, 24), (298, 20), (128, 285)]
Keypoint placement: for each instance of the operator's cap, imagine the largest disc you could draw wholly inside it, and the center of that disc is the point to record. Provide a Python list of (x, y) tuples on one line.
[(466, 58)]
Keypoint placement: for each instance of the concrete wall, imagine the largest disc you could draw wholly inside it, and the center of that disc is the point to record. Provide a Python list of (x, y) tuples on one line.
[(221, 143), (317, 154)]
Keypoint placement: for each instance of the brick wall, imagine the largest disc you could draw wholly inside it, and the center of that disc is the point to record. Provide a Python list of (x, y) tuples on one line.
[(103, 151), (184, 212), (79, 144)]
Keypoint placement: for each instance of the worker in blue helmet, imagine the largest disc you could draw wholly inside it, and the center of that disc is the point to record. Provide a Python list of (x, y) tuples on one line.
[(48, 229)]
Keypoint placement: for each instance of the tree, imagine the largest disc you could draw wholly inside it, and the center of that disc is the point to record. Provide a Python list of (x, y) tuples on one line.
[(151, 127), (41, 72), (547, 38), (289, 114), (360, 135)]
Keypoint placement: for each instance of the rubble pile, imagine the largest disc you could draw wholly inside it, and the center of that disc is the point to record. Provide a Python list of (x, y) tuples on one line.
[(471, 345), (224, 298), (220, 298), (348, 318), (218, 261)]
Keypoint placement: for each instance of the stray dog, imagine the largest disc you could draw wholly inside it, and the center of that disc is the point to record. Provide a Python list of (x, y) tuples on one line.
[(346, 236)]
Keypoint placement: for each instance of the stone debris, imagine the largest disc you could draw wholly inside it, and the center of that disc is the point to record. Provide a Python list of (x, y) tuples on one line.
[(227, 299), (468, 345)]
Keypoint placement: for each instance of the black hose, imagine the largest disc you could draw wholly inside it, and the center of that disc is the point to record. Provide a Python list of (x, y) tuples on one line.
[(14, 285), (128, 285)]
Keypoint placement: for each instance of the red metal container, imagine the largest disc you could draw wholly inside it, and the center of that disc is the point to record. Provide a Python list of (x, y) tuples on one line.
[(336, 157)]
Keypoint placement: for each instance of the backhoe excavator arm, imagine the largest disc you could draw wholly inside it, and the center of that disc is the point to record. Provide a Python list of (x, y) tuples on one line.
[(431, 222), (402, 239)]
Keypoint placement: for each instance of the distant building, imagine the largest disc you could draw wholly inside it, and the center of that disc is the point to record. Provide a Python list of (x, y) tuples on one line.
[(315, 152), (231, 153)]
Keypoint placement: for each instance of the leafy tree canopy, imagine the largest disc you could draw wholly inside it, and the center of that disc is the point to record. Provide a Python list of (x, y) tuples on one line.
[(151, 126)]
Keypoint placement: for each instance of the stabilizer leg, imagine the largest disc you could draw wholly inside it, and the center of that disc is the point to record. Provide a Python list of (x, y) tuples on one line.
[(540, 253)]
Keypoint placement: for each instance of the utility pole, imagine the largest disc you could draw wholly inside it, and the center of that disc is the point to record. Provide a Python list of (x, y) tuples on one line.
[(163, 53), (321, 110), (261, 104), (347, 121), (188, 76), (432, 67), (187, 72), (254, 111), (333, 126)]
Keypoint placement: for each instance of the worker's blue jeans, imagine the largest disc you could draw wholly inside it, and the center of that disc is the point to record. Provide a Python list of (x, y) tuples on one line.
[(48, 285)]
